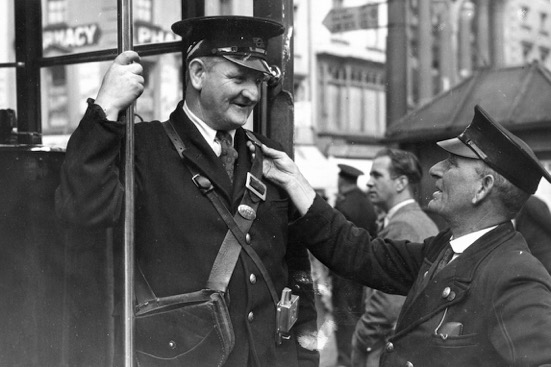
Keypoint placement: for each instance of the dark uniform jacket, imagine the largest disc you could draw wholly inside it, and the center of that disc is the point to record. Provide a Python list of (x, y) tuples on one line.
[(534, 222), (489, 307), (347, 296), (178, 231), (357, 208)]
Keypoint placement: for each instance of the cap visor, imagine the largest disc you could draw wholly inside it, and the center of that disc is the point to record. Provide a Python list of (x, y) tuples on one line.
[(457, 147), (249, 62)]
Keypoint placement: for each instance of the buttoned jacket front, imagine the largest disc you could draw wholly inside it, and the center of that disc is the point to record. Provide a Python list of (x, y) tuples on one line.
[(489, 307), (178, 231)]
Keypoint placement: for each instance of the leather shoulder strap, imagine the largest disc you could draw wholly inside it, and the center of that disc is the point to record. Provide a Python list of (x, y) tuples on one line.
[(238, 225)]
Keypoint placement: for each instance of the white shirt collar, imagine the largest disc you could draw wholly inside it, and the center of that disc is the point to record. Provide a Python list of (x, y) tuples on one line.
[(459, 245), (395, 208), (206, 131)]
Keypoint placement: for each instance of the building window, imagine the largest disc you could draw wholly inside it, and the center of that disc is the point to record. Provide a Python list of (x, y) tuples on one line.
[(351, 97), (526, 50), (544, 54), (523, 13), (56, 11), (543, 23), (144, 10)]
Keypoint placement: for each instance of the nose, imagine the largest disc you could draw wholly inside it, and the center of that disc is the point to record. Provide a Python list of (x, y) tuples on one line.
[(436, 170), (251, 90), (369, 183)]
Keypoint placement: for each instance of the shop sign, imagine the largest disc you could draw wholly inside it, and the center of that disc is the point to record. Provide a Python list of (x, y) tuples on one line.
[(150, 33), (66, 37)]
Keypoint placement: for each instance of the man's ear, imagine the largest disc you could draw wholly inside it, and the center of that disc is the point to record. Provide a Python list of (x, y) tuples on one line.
[(401, 183), (197, 70), (486, 184)]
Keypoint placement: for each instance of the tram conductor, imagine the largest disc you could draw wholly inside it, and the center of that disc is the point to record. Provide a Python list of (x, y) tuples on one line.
[(476, 296), (178, 230)]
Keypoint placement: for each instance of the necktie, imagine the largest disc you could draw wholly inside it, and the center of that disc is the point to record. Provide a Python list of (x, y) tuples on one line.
[(448, 254), (228, 154), (381, 224)]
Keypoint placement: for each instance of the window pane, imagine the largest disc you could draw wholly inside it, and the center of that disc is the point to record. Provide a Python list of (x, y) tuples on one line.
[(65, 89), (74, 26), (7, 55), (7, 32), (153, 18)]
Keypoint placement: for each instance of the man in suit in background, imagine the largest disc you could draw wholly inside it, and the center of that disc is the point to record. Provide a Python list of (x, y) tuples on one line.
[(392, 178), (347, 295)]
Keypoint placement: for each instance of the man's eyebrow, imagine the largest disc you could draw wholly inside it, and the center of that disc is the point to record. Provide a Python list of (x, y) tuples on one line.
[(452, 158), (375, 173)]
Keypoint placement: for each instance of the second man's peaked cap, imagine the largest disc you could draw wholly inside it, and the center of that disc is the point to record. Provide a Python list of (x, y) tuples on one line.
[(239, 39), (503, 151), (349, 171)]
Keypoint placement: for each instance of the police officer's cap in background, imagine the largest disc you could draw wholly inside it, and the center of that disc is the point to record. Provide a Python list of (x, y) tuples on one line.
[(242, 40), (349, 171), (511, 157)]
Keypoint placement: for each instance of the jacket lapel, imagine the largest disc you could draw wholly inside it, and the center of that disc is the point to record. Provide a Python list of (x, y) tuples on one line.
[(199, 153)]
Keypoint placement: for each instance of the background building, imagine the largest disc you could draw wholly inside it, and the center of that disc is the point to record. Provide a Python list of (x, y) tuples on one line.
[(342, 78)]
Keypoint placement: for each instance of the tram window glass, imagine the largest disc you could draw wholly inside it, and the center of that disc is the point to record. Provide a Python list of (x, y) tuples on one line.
[(74, 26), (7, 56), (153, 18), (7, 33), (65, 89), (7, 88), (77, 26)]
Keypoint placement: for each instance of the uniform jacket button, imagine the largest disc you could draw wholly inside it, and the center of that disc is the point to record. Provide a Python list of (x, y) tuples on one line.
[(409, 364), (250, 316), (446, 292), (252, 279), (248, 238), (389, 347)]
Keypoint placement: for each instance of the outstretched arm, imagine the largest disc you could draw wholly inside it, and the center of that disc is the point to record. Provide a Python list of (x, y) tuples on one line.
[(281, 170)]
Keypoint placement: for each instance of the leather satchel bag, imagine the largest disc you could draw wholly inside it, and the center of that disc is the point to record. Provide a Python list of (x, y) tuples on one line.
[(194, 329)]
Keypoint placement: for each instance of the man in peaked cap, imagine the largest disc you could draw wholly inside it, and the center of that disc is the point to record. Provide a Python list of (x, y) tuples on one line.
[(347, 295), (178, 230), (476, 296)]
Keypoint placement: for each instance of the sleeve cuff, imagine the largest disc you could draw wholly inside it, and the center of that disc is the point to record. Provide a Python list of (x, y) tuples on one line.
[(99, 113)]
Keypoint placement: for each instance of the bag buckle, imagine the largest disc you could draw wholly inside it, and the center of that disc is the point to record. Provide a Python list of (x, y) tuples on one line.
[(202, 183), (256, 186)]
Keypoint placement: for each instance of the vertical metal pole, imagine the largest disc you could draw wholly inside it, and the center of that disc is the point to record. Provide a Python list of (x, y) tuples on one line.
[(28, 53), (280, 124), (125, 44), (396, 61), (425, 52)]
